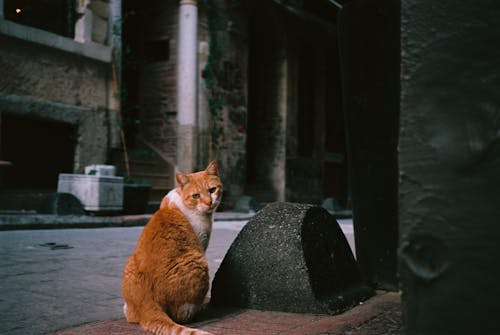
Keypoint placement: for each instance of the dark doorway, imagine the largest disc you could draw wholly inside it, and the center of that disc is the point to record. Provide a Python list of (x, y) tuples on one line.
[(335, 146), (296, 130), (148, 95), (264, 119), (38, 149), (148, 72)]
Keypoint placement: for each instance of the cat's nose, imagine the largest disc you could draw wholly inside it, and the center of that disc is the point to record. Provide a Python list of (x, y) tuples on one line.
[(207, 201)]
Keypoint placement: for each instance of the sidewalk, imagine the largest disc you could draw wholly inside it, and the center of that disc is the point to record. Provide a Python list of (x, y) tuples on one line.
[(25, 221), (50, 221), (380, 315)]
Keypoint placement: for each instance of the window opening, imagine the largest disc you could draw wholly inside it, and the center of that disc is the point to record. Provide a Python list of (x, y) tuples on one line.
[(56, 16)]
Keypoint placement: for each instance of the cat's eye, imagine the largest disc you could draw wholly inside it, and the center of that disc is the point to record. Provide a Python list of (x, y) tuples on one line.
[(212, 190), (196, 196)]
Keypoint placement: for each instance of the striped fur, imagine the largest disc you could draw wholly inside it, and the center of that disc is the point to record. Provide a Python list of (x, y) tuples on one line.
[(165, 280)]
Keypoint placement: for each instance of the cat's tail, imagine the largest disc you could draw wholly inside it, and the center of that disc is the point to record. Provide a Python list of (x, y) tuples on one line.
[(155, 320)]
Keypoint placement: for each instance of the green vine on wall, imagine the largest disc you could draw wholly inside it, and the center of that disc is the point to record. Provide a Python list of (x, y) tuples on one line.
[(215, 95)]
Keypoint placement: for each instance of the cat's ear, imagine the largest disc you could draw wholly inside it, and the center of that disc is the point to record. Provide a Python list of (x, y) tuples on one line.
[(213, 168), (182, 179)]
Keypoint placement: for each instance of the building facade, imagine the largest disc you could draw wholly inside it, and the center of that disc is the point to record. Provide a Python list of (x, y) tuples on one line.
[(263, 97), (268, 95), (58, 105)]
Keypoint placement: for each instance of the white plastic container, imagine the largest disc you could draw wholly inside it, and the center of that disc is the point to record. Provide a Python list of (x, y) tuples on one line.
[(96, 193)]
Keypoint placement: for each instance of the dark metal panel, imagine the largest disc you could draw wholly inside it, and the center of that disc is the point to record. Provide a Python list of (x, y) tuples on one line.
[(369, 55)]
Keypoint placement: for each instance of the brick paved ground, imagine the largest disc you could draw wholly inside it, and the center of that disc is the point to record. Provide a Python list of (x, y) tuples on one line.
[(58, 278), (379, 315)]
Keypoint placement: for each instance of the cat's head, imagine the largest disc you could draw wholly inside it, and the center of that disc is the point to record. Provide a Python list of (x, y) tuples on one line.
[(201, 191)]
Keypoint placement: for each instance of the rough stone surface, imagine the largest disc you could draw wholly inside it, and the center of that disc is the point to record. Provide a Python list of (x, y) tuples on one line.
[(449, 163), (51, 75), (94, 130), (291, 258), (53, 78)]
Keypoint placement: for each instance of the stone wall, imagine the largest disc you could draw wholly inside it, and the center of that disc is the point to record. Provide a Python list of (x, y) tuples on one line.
[(157, 97), (49, 77), (225, 78), (52, 75)]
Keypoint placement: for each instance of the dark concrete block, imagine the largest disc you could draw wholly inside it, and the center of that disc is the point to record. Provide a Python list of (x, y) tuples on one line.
[(292, 258), (41, 202), (62, 204)]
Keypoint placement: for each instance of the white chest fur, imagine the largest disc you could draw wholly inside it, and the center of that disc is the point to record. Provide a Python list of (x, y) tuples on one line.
[(201, 223)]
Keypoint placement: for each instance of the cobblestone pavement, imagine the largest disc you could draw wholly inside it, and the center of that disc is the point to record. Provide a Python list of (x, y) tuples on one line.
[(55, 279)]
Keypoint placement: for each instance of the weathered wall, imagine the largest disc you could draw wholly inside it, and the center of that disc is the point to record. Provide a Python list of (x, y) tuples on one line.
[(304, 107), (151, 106), (92, 135), (269, 70), (53, 75), (157, 90), (225, 77), (307, 106), (41, 82), (449, 162)]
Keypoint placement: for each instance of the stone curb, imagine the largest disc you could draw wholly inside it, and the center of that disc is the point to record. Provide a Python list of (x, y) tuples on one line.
[(27, 221), (51, 221)]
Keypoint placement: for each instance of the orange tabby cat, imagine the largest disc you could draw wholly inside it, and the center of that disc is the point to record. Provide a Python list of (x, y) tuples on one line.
[(166, 278)]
